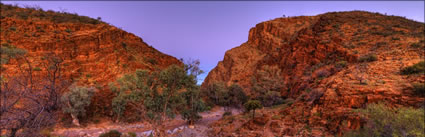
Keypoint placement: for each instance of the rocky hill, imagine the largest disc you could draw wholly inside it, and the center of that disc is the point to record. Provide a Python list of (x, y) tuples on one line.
[(330, 64), (94, 53)]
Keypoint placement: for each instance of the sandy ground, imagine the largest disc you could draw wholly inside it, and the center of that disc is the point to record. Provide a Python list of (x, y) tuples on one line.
[(177, 126)]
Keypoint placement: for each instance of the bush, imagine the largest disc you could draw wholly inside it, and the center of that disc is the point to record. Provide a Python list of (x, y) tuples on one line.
[(341, 64), (112, 133), (37, 69), (131, 134), (368, 58), (76, 100), (416, 45), (383, 121), (253, 105), (227, 113), (289, 101), (152, 61), (12, 28), (419, 89), (271, 98), (124, 45), (237, 96), (414, 69)]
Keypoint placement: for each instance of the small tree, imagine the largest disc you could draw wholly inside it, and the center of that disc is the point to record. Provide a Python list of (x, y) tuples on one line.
[(267, 79), (158, 96), (216, 93), (253, 105), (193, 106), (237, 96), (76, 101)]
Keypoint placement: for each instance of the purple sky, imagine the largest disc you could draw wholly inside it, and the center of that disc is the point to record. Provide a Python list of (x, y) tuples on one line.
[(206, 30)]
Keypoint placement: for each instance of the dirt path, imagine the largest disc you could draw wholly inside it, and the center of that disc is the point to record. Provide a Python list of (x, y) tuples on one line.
[(177, 126)]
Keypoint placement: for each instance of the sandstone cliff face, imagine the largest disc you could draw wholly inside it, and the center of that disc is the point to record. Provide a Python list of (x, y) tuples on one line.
[(94, 54), (308, 49)]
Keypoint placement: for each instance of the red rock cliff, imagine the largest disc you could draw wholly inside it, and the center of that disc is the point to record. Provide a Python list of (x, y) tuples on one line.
[(94, 53), (307, 50)]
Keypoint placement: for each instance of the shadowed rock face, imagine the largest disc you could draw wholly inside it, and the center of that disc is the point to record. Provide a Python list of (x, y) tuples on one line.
[(308, 51), (94, 54)]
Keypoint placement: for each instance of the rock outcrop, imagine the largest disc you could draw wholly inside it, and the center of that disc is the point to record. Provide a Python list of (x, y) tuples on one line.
[(326, 55), (94, 53)]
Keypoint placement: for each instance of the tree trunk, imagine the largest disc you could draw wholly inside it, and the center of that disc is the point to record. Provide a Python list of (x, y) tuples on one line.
[(75, 120)]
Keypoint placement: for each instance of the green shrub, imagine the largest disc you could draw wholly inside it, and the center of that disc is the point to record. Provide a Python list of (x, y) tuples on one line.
[(112, 133), (414, 69), (368, 58), (68, 30), (395, 38), (227, 113), (124, 45), (12, 28), (253, 105), (132, 134), (276, 117), (76, 100), (341, 64), (37, 69), (383, 121), (419, 89), (152, 61), (416, 45), (289, 101)]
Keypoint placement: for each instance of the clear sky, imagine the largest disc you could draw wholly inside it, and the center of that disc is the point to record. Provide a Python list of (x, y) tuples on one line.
[(206, 30)]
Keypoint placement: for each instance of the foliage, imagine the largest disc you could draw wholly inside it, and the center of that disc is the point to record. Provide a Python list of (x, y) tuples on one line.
[(219, 94), (8, 52), (12, 28), (227, 113), (289, 101), (385, 121), (271, 98), (237, 96), (76, 100), (124, 45), (131, 134), (111, 133), (414, 69), (368, 58), (37, 69), (160, 95), (36, 13), (253, 105), (216, 93), (194, 105), (419, 89), (267, 83), (341, 64), (151, 61)]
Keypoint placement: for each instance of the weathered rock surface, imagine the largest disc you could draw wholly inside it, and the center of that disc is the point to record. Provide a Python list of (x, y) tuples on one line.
[(308, 49), (94, 54)]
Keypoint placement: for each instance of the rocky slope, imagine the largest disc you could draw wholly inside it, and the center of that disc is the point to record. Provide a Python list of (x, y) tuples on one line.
[(325, 55), (94, 53)]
